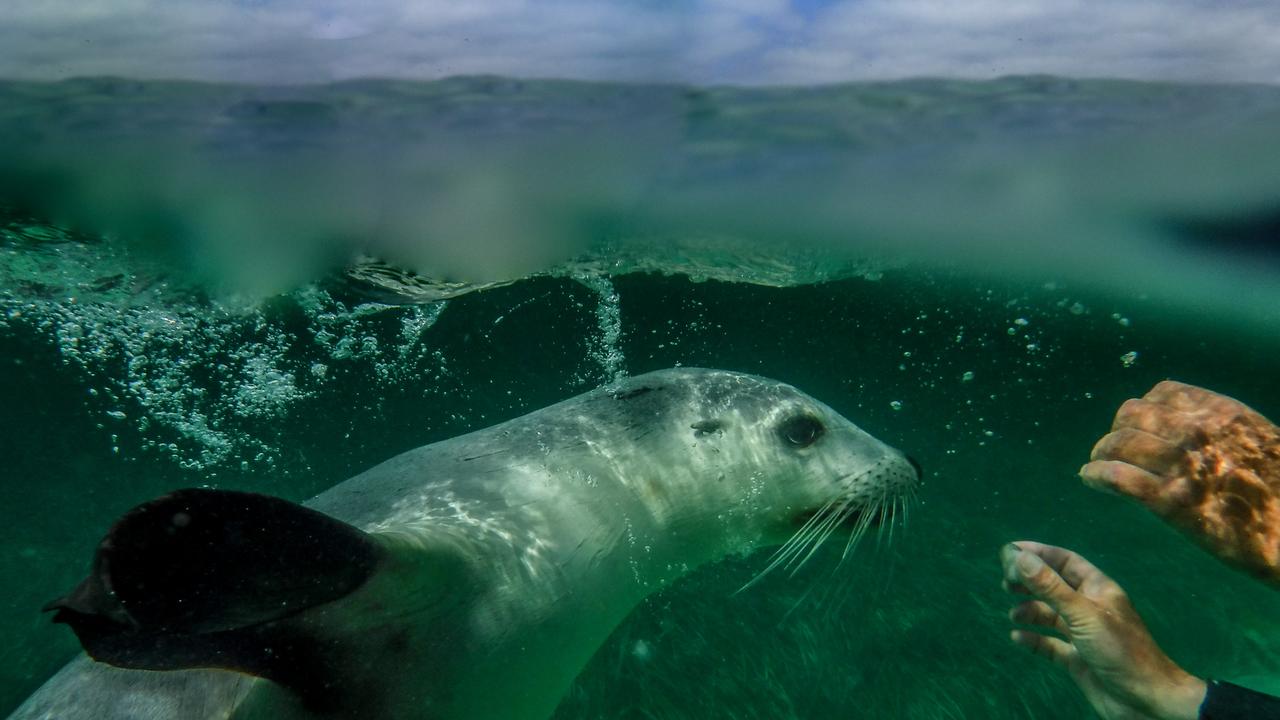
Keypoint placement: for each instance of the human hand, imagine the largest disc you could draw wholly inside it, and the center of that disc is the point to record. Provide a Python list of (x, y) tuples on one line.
[(1105, 647), (1203, 462)]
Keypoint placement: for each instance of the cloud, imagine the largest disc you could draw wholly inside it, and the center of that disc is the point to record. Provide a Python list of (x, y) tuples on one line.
[(701, 41), (1144, 39)]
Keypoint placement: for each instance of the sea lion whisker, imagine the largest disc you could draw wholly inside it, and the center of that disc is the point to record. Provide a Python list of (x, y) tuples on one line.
[(820, 517), (817, 537), (812, 544), (860, 529), (847, 586), (882, 509), (855, 535), (793, 546), (884, 506), (801, 536), (893, 517), (836, 517), (809, 524), (797, 548), (887, 504)]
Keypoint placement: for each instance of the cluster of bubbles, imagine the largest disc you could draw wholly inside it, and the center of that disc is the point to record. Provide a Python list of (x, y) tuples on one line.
[(345, 332), (205, 383), (184, 379), (1000, 352), (606, 350), (173, 373)]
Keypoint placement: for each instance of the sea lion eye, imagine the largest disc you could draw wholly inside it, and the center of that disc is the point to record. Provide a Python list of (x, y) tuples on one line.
[(801, 430)]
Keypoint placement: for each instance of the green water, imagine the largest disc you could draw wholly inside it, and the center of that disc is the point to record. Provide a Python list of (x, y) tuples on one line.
[(913, 630), (132, 366)]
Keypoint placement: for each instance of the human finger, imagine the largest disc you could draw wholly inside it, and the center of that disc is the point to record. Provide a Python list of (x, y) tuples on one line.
[(1012, 582), (1070, 565), (1055, 649), (1121, 478), (1045, 583), (1016, 588), (1163, 421), (1038, 612), (1138, 447), (1188, 398)]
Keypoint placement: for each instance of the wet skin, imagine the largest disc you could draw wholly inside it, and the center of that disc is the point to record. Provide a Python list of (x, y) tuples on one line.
[(1203, 462), (1104, 645)]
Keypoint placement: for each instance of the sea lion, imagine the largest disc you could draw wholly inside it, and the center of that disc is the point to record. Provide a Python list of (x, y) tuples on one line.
[(470, 579)]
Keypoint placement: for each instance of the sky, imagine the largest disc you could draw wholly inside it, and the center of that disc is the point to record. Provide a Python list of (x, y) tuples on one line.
[(747, 42)]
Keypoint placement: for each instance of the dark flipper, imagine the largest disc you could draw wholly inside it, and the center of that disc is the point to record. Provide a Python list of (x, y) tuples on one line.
[(210, 578)]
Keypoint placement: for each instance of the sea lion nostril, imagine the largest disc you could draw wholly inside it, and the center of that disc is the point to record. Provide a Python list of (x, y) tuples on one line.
[(916, 466)]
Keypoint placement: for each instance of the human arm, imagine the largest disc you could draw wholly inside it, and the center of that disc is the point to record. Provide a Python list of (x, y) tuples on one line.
[(1104, 644)]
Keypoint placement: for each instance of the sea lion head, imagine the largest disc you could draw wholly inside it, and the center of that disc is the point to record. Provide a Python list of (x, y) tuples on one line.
[(745, 462)]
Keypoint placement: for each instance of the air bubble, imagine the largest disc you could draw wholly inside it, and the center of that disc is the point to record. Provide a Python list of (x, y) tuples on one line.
[(606, 350)]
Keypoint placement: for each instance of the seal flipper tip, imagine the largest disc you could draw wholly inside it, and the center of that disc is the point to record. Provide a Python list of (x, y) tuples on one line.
[(209, 578)]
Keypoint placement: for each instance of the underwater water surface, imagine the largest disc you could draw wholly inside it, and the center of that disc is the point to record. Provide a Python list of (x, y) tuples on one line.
[(134, 365)]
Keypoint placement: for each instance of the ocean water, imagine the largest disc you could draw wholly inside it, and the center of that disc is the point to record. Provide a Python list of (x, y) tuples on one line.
[(273, 289)]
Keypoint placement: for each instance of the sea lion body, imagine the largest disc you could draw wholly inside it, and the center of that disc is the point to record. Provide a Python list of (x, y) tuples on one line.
[(512, 552)]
